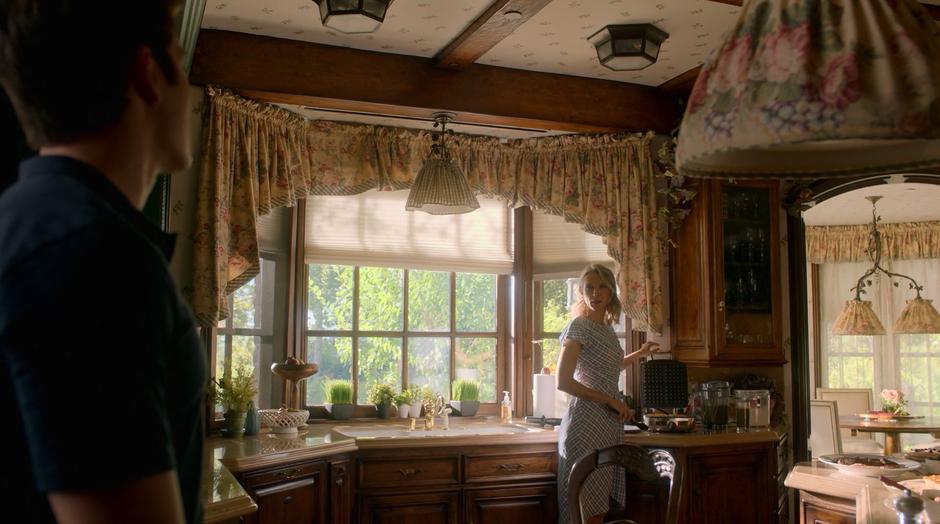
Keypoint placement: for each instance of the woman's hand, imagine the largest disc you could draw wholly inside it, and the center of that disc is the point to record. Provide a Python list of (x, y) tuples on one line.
[(648, 348), (621, 408)]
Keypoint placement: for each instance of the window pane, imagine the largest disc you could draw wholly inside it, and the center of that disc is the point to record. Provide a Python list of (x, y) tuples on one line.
[(334, 356), (379, 361), (429, 363), (476, 302), (551, 348), (244, 352), (243, 305), (219, 356), (428, 301), (476, 360), (329, 296), (380, 299), (554, 305)]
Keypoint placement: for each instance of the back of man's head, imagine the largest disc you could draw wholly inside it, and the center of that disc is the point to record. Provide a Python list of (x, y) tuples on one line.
[(66, 63)]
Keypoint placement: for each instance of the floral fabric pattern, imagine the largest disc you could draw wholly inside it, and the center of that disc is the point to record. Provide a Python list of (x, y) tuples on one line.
[(899, 241), (792, 71), (256, 157)]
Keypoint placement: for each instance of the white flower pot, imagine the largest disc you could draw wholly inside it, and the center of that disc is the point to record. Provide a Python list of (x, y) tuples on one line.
[(403, 410), (415, 411)]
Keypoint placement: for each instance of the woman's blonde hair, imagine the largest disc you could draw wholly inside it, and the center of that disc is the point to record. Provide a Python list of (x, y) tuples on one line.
[(614, 307)]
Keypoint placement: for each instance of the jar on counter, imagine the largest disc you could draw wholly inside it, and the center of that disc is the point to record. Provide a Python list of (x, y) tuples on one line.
[(716, 397), (758, 406)]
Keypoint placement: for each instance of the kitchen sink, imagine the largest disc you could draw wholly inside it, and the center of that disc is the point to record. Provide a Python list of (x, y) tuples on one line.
[(455, 430)]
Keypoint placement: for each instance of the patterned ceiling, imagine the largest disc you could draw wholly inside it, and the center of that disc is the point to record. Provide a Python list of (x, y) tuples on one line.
[(554, 40)]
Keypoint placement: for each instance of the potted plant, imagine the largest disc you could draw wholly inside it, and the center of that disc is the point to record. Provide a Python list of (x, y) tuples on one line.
[(416, 401), (382, 395), (465, 395), (403, 401), (235, 394), (338, 397)]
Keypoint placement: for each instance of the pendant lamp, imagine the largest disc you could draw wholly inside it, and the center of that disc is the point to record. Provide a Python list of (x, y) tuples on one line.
[(858, 318), (440, 187), (817, 88)]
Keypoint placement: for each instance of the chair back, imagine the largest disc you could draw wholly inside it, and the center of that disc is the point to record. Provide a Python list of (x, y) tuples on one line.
[(647, 472), (824, 436), (851, 402)]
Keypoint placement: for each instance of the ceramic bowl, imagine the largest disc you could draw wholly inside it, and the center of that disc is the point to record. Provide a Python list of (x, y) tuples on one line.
[(283, 420)]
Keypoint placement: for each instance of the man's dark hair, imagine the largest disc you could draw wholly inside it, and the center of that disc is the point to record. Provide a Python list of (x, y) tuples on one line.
[(65, 64)]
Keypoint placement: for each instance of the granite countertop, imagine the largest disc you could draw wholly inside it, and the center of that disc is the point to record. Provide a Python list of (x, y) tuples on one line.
[(224, 497)]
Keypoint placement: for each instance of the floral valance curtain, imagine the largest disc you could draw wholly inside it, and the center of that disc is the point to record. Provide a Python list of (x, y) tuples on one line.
[(256, 157), (901, 241)]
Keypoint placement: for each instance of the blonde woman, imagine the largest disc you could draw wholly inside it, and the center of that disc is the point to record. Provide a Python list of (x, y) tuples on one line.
[(588, 370)]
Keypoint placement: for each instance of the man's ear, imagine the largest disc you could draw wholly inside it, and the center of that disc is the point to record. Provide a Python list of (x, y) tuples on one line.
[(145, 76)]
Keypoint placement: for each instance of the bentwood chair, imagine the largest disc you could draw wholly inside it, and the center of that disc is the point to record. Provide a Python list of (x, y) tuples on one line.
[(850, 402), (653, 478)]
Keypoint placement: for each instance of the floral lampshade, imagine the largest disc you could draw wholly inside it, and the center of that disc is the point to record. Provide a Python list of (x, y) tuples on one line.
[(858, 318), (919, 317), (808, 89)]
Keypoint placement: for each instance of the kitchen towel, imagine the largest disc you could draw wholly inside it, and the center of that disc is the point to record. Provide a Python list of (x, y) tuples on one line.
[(543, 394)]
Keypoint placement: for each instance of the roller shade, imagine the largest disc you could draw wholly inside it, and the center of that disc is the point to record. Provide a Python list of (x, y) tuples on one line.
[(561, 249), (373, 229), (274, 231)]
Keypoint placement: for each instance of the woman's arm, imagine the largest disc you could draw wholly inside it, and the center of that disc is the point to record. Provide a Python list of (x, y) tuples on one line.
[(648, 348), (567, 362)]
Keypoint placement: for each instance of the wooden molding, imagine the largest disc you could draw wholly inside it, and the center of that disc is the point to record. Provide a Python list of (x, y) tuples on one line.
[(489, 29), (290, 71), (683, 82)]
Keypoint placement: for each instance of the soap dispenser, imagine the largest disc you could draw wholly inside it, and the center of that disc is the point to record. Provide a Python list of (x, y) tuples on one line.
[(505, 409)]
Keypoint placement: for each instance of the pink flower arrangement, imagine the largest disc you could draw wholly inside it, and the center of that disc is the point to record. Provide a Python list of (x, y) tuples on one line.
[(893, 401)]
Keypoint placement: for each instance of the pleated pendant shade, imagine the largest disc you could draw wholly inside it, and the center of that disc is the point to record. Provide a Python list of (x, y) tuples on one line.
[(858, 318), (919, 317), (441, 189)]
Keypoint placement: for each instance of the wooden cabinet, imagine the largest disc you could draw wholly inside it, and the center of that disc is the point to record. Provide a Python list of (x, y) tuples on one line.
[(341, 492), (825, 510), (497, 505), (422, 508), (474, 484), (733, 485), (726, 276), (293, 494)]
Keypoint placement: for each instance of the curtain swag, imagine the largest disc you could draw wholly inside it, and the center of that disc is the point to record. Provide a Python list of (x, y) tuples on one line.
[(901, 241), (256, 157)]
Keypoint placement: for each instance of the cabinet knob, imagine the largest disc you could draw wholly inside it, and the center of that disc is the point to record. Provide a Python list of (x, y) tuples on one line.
[(721, 305), (288, 499), (409, 472)]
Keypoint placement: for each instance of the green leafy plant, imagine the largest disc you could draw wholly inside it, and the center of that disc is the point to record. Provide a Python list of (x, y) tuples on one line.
[(677, 195), (337, 392), (465, 390), (426, 394), (381, 393), (405, 397), (235, 392)]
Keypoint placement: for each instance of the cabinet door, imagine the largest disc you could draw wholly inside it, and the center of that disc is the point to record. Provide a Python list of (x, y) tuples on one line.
[(731, 488), (427, 508), (747, 254), (299, 502), (341, 494), (812, 514), (523, 505)]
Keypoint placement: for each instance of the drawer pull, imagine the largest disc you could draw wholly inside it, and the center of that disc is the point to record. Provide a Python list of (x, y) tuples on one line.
[(511, 467), (289, 474), (288, 499), (409, 472)]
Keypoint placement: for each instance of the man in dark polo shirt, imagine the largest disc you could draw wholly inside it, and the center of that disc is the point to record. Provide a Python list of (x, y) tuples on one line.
[(101, 371)]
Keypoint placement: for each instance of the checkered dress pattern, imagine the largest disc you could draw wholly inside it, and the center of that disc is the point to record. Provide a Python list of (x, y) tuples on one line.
[(589, 426)]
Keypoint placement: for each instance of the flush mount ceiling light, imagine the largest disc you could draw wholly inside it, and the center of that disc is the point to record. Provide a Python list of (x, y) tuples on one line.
[(440, 187), (858, 318), (353, 16), (817, 89), (628, 47)]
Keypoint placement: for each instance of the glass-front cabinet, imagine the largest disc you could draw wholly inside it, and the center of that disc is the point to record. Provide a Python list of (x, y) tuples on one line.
[(726, 276)]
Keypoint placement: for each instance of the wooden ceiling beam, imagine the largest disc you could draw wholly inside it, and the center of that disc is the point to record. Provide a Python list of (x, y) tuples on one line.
[(489, 29), (303, 73), (682, 83)]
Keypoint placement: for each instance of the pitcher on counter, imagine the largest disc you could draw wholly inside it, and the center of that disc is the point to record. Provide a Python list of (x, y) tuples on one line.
[(588, 369)]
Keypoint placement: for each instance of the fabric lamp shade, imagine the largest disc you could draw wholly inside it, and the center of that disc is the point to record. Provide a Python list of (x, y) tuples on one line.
[(809, 89), (919, 317), (858, 318), (441, 189)]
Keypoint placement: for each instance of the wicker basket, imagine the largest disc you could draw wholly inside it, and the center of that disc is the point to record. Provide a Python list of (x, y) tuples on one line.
[(283, 420)]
